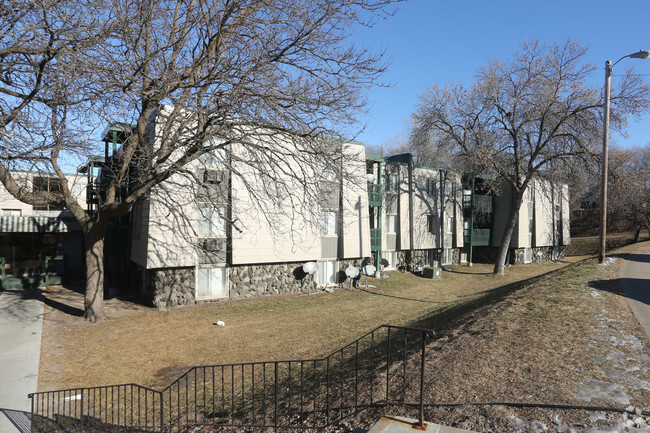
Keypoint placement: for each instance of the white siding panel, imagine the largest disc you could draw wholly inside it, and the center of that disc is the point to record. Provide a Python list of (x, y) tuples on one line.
[(355, 217), (286, 230)]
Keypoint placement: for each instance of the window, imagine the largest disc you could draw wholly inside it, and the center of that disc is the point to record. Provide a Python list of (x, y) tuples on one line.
[(391, 185), (430, 257), (528, 255), (211, 222), (47, 184), (431, 188), (211, 282), (326, 273), (11, 212), (432, 224), (447, 256), (78, 190), (391, 257), (328, 223), (215, 158), (391, 223)]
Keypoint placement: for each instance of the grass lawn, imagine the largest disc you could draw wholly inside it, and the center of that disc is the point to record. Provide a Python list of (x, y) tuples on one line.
[(152, 348)]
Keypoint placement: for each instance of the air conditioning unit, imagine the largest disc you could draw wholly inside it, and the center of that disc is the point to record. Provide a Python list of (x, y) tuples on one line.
[(213, 245), (213, 176)]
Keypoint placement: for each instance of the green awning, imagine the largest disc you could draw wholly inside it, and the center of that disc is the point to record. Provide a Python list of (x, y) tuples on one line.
[(32, 224)]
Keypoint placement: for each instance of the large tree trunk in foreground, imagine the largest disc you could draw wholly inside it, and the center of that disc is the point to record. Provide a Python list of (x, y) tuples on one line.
[(94, 254), (500, 264)]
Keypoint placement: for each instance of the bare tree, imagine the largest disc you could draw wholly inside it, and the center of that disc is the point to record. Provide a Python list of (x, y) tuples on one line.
[(526, 117), (629, 187), (228, 71)]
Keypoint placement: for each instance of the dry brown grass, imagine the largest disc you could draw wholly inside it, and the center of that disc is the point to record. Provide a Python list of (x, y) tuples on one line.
[(152, 348)]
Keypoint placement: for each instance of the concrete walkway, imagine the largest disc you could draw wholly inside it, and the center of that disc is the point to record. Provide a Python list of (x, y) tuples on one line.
[(21, 324), (635, 281)]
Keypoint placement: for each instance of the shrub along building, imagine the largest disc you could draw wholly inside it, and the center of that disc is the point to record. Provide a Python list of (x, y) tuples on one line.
[(240, 224)]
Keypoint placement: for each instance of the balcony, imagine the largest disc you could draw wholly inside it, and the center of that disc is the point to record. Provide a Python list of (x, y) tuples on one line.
[(483, 203), (374, 194), (375, 239), (480, 237)]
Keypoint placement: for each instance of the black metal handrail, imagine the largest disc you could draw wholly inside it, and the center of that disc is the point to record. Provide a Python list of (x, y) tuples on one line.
[(378, 369)]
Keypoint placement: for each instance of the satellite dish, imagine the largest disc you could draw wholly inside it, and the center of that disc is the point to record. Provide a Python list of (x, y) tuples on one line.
[(369, 270), (352, 272), (371, 178), (310, 267)]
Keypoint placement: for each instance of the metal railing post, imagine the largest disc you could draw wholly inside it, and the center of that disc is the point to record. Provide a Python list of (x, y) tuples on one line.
[(421, 415), (31, 398), (275, 415)]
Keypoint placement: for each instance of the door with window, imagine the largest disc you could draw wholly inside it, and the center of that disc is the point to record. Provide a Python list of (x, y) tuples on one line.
[(326, 272), (211, 282)]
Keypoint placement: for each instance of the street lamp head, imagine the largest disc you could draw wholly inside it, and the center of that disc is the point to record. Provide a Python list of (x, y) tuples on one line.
[(642, 54)]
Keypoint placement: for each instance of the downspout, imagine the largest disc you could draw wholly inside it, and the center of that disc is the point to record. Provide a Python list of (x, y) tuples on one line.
[(442, 212), (379, 211), (471, 220)]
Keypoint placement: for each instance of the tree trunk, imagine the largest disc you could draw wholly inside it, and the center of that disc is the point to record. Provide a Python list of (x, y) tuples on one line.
[(637, 234), (500, 264), (94, 252)]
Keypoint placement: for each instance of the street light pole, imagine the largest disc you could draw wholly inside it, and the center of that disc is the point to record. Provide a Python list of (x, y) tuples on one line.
[(642, 54)]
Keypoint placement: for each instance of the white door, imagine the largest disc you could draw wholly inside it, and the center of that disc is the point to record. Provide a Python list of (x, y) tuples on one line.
[(211, 282)]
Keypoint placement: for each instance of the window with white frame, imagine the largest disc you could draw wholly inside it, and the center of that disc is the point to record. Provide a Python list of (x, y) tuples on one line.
[(211, 220), (528, 255), (328, 223), (211, 282), (11, 212), (326, 273), (391, 223), (391, 257)]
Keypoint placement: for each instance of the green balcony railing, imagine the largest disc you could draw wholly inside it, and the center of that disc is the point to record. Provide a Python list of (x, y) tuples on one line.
[(375, 239), (374, 194), (480, 237), (483, 203)]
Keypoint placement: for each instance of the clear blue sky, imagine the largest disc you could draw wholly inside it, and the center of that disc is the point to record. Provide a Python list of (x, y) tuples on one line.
[(432, 41)]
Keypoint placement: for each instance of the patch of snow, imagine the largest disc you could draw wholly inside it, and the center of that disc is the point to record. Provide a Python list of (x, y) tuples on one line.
[(598, 389), (608, 262), (522, 425)]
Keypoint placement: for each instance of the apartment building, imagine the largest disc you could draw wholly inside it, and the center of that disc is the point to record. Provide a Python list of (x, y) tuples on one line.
[(231, 227), (432, 215), (238, 224), (39, 245)]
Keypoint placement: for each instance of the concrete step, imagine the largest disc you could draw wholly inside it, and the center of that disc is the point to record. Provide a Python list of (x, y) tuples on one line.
[(398, 424)]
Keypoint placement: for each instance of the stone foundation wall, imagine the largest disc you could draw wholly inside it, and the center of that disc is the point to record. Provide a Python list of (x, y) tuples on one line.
[(419, 257), (547, 255), (171, 287), (261, 280)]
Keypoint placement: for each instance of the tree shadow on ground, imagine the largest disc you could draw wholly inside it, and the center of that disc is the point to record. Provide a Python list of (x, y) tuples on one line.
[(631, 288)]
